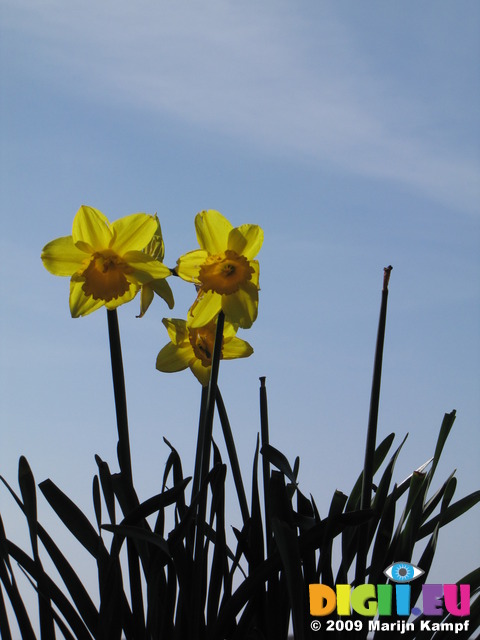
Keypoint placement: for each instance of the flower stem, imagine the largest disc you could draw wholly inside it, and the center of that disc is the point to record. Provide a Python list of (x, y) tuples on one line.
[(125, 491), (211, 394), (265, 462), (123, 447), (200, 440), (366, 496), (375, 397), (203, 447)]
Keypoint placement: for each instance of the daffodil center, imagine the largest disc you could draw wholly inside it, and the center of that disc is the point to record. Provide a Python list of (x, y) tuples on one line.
[(105, 276), (203, 342), (225, 272)]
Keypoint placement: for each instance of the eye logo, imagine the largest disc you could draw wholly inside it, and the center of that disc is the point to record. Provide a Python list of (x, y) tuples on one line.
[(403, 572)]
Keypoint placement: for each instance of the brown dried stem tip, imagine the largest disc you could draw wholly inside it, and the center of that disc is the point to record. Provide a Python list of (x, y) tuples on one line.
[(386, 277)]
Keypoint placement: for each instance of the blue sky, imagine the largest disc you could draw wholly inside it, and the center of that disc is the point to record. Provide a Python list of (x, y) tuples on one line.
[(349, 131)]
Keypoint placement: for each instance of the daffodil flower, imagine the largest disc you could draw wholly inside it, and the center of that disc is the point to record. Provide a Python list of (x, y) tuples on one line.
[(105, 260), (193, 347), (155, 249), (224, 270)]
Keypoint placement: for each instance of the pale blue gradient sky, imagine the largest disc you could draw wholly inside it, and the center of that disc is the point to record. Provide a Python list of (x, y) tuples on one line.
[(349, 131)]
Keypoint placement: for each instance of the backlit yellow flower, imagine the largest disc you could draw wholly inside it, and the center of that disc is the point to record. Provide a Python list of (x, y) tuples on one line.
[(223, 270), (155, 249), (105, 260), (193, 347)]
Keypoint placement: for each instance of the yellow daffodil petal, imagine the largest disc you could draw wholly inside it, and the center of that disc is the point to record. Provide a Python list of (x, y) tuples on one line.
[(126, 297), (107, 262), (188, 265), (144, 268), (91, 230), (201, 373), (236, 348), (212, 231), (229, 331), (156, 246), (242, 307), (133, 232), (177, 330), (204, 309), (194, 347), (61, 257), (174, 358), (146, 297), (80, 304), (163, 289), (246, 240)]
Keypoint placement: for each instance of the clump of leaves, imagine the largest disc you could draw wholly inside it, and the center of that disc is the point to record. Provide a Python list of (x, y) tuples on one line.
[(196, 580)]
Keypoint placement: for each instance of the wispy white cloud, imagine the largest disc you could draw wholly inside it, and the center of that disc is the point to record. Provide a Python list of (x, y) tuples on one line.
[(264, 73)]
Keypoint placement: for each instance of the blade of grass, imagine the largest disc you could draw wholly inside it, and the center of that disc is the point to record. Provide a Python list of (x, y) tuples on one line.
[(138, 533), (453, 512), (324, 571), (26, 482), (73, 583), (311, 539), (232, 455), (414, 508), (4, 626), (58, 620), (380, 455), (287, 543), (350, 536), (219, 566), (7, 578), (380, 558), (136, 593), (447, 424), (279, 460), (74, 519), (256, 544), (97, 501), (107, 487), (433, 502), (52, 591), (416, 484)]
